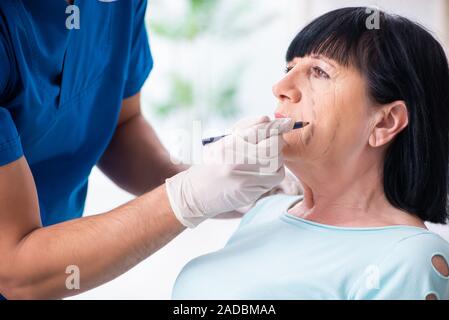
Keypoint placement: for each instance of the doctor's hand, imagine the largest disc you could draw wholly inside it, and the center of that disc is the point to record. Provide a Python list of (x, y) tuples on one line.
[(237, 170)]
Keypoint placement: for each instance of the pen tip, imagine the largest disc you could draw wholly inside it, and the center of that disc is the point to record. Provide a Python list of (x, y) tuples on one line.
[(300, 124)]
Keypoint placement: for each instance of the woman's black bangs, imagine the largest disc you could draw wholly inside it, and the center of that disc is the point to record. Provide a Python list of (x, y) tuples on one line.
[(336, 35)]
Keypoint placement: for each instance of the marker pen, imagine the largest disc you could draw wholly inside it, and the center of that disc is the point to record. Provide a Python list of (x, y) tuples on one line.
[(298, 125)]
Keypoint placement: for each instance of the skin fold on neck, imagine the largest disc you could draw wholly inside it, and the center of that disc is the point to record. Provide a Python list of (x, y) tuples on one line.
[(350, 199)]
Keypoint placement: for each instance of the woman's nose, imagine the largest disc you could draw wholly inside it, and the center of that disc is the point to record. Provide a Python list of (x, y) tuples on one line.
[(286, 91)]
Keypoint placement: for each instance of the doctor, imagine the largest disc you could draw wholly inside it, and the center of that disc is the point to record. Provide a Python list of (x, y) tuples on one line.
[(69, 100)]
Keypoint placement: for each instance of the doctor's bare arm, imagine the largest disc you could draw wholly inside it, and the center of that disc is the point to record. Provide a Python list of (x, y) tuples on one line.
[(34, 259), (135, 158)]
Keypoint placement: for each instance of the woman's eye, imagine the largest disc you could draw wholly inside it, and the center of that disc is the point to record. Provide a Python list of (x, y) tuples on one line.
[(320, 73), (287, 69)]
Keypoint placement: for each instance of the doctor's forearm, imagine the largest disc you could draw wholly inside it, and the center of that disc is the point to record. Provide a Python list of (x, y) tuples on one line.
[(102, 247)]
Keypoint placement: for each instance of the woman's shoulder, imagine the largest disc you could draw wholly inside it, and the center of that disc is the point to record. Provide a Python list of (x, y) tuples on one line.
[(425, 251), (414, 267), (422, 242), (417, 250)]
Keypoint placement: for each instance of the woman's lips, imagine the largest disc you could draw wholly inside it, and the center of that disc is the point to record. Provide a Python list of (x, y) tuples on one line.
[(278, 115)]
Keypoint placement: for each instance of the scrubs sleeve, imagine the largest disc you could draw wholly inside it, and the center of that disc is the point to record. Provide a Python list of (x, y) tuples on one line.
[(141, 61), (407, 272), (10, 146)]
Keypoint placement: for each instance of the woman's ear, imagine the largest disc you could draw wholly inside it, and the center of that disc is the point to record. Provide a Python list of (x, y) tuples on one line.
[(389, 120)]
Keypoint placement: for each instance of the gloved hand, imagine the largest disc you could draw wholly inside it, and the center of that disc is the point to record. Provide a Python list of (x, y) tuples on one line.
[(290, 185), (238, 169)]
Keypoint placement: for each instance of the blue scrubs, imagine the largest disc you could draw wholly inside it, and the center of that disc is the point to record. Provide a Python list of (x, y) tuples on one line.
[(61, 90)]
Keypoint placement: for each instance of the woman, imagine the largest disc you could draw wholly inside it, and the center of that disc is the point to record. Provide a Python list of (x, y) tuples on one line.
[(374, 166)]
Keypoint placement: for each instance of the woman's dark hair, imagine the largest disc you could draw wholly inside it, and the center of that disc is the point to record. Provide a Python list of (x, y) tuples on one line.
[(400, 60)]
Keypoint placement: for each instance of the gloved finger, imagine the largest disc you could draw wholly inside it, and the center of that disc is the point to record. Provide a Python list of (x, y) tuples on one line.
[(270, 179), (235, 147), (232, 149), (257, 164), (266, 178), (282, 126), (261, 131), (266, 148), (249, 122), (270, 147)]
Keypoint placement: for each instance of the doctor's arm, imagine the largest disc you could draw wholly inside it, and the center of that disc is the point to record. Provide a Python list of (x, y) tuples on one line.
[(135, 158), (34, 259)]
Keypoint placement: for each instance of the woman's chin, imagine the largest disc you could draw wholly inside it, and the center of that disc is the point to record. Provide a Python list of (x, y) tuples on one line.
[(291, 155)]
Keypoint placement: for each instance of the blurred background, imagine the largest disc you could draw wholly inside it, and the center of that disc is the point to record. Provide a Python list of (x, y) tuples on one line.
[(215, 61)]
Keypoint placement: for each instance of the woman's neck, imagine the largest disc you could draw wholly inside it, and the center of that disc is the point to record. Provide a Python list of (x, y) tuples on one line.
[(347, 196)]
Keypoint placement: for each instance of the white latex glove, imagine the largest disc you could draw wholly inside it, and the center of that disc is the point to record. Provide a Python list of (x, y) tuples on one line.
[(289, 185), (239, 168)]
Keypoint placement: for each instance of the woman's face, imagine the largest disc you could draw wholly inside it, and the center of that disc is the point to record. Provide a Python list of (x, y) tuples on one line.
[(334, 100)]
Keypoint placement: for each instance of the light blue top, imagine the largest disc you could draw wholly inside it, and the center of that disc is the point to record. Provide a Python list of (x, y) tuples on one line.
[(275, 255)]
